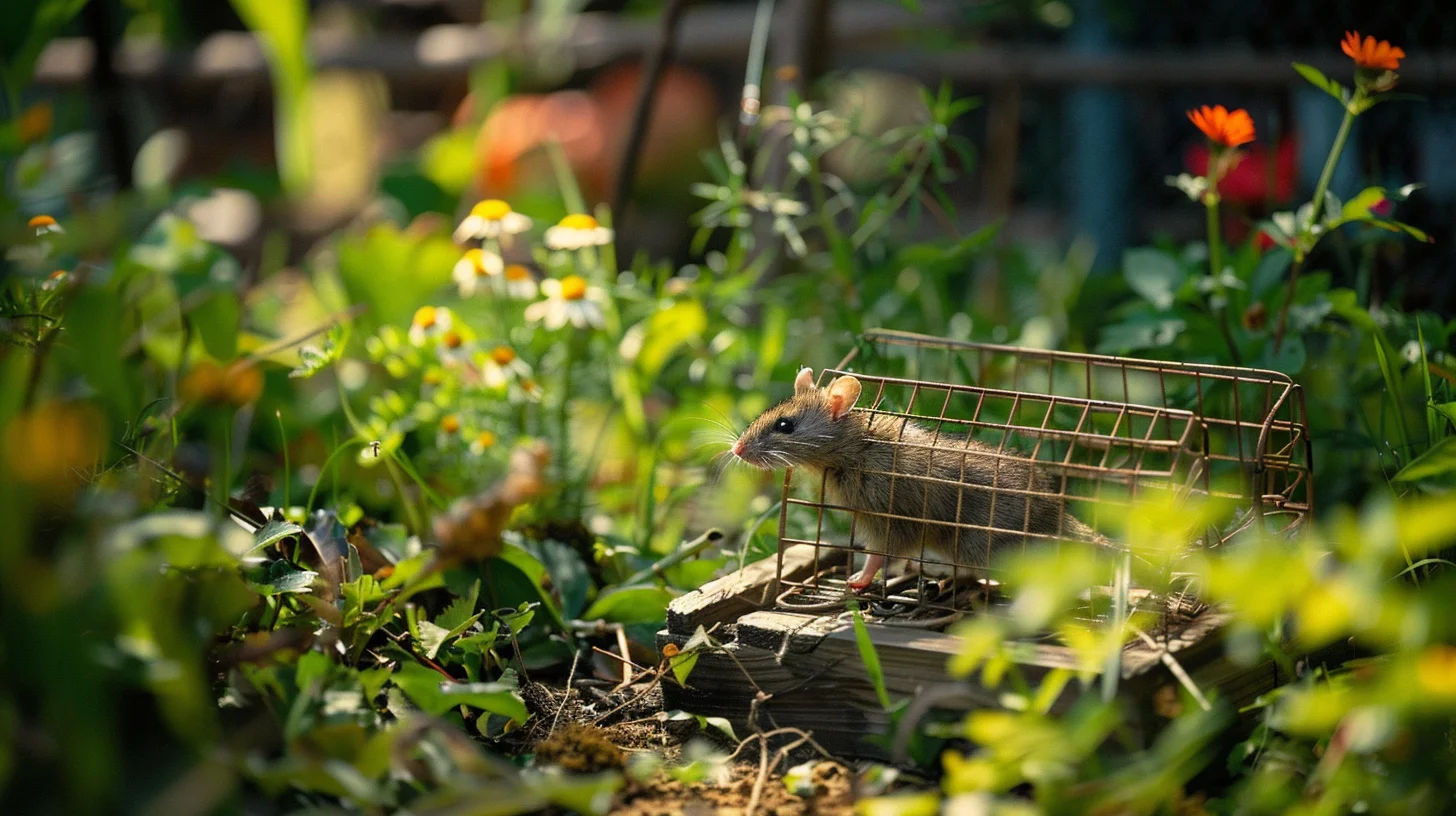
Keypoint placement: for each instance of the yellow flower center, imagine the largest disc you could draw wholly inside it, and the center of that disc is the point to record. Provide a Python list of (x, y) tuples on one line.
[(453, 339), (425, 317), (42, 221), (516, 272), (502, 355), (579, 221), (486, 439), (477, 261), (573, 287), (450, 424), (491, 209)]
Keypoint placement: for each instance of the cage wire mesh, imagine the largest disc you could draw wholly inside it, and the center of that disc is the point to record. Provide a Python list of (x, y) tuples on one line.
[(975, 451)]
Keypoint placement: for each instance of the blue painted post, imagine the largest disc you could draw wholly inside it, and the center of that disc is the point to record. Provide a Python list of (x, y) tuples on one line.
[(1096, 125), (1437, 144)]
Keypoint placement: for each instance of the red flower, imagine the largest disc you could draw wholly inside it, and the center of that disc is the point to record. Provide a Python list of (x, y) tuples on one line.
[(1262, 176), (1222, 126), (1371, 53)]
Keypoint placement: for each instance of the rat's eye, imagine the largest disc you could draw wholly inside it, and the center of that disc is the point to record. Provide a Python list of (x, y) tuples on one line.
[(785, 426)]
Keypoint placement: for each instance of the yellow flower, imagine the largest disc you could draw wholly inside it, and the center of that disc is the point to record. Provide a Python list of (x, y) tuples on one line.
[(450, 424), (35, 123), (492, 218), (520, 284), (569, 300), (208, 382), (429, 322), (483, 441), (576, 231), (452, 349), (474, 265), (53, 446), (500, 365), (43, 224)]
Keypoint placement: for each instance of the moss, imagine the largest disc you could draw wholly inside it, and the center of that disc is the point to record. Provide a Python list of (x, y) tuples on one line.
[(580, 748)]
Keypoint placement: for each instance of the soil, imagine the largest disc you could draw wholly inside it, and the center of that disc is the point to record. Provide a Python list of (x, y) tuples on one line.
[(593, 727), (833, 794)]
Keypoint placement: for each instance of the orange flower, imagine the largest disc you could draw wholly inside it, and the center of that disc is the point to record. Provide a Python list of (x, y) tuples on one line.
[(1376, 55), (1222, 126)]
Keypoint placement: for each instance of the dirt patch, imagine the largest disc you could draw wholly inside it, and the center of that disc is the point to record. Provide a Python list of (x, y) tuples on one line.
[(832, 794)]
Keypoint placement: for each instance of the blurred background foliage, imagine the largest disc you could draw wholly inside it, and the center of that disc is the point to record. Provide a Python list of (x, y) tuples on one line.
[(279, 456)]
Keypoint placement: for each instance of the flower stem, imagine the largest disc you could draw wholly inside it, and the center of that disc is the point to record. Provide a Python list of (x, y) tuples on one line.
[(563, 411), (1215, 268), (1320, 188)]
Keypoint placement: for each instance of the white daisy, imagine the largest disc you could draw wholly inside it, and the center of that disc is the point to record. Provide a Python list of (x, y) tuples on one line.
[(483, 441), (43, 224), (452, 349), (520, 284), (474, 265), (492, 218), (569, 300), (500, 365), (55, 280), (576, 231), (429, 322)]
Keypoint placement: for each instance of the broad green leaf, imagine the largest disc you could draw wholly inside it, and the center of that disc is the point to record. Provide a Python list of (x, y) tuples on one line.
[(651, 343), (288, 580), (1154, 275), (217, 320), (1438, 462), (630, 605), (435, 695), (1319, 80), (461, 611), (274, 532)]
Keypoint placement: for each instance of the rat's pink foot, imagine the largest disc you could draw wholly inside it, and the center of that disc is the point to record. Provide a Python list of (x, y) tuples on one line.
[(862, 579)]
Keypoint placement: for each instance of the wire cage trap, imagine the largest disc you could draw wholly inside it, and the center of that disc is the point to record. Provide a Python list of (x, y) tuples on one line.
[(973, 451)]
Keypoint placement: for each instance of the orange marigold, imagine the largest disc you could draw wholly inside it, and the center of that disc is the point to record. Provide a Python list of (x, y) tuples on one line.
[(1229, 128), (1377, 55)]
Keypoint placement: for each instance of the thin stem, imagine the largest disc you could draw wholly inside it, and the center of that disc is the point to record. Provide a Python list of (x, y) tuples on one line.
[(287, 471), (1320, 188), (313, 493), (563, 410), (1215, 268)]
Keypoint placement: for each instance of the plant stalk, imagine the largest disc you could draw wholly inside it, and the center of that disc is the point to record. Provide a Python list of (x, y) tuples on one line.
[(1320, 188), (1215, 268)]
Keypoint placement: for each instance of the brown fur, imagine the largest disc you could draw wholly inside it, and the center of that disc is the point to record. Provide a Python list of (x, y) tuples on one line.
[(881, 466)]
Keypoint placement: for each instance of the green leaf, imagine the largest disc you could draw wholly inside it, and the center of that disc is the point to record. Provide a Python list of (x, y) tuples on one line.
[(1439, 461), (869, 656), (282, 27), (460, 611), (286, 581), (1319, 80), (658, 337), (435, 695), (217, 320), (630, 605), (274, 532), (1154, 275)]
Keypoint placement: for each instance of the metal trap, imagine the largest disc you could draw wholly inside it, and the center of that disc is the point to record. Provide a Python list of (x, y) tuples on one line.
[(1100, 432), (1052, 436)]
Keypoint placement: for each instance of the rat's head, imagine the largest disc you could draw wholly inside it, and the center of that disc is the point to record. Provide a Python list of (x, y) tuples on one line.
[(812, 428)]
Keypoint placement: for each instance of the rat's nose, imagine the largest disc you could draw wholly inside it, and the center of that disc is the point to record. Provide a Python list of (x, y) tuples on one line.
[(738, 448)]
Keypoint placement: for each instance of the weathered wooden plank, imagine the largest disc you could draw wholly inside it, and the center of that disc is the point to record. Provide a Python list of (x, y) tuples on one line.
[(727, 599)]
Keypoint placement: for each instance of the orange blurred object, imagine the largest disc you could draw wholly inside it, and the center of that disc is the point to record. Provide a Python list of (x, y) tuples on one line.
[(592, 127), (1376, 55)]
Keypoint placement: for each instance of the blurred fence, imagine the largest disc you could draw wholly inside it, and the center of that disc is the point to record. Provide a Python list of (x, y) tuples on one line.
[(1084, 99)]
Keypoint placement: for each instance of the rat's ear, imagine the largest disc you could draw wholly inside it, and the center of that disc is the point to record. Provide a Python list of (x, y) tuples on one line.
[(843, 393), (804, 383)]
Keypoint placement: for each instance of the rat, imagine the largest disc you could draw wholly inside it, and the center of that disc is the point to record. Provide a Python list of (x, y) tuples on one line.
[(960, 480)]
